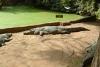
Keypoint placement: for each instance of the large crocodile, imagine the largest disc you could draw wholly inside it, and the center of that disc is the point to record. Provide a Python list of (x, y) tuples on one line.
[(89, 56), (53, 30), (47, 30), (4, 38)]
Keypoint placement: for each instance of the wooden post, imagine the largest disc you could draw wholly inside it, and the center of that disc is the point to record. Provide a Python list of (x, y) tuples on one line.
[(96, 59)]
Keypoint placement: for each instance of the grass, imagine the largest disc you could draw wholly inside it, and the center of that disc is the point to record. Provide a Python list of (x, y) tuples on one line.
[(15, 16)]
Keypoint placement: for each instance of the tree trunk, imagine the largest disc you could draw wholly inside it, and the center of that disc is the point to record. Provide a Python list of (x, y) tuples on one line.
[(0, 4), (96, 59)]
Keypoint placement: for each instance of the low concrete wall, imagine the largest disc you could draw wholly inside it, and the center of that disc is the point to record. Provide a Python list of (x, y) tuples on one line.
[(19, 29)]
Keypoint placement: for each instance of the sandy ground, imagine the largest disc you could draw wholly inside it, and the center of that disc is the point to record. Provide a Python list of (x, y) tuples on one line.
[(62, 50)]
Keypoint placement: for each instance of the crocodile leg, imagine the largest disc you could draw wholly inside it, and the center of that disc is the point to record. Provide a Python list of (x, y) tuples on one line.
[(41, 33)]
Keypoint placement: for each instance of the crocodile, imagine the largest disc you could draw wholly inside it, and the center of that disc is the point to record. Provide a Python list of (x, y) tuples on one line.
[(47, 30), (53, 30), (4, 38), (89, 55)]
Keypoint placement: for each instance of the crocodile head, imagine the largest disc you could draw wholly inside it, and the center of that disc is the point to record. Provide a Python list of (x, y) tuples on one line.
[(9, 35), (28, 32)]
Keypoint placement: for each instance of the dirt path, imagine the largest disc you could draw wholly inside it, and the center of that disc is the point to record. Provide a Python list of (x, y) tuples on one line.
[(59, 50)]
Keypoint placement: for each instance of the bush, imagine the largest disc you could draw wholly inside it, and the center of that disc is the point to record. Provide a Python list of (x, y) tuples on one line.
[(86, 7), (98, 13), (82, 7)]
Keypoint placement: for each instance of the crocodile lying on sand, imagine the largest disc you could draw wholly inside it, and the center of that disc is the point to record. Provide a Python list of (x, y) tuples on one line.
[(4, 38), (53, 30), (47, 30), (89, 56)]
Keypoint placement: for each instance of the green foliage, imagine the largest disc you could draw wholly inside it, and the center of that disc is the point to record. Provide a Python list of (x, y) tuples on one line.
[(86, 7), (1, 4), (98, 13)]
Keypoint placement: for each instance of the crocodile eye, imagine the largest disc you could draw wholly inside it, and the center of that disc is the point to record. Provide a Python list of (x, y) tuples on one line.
[(87, 51)]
